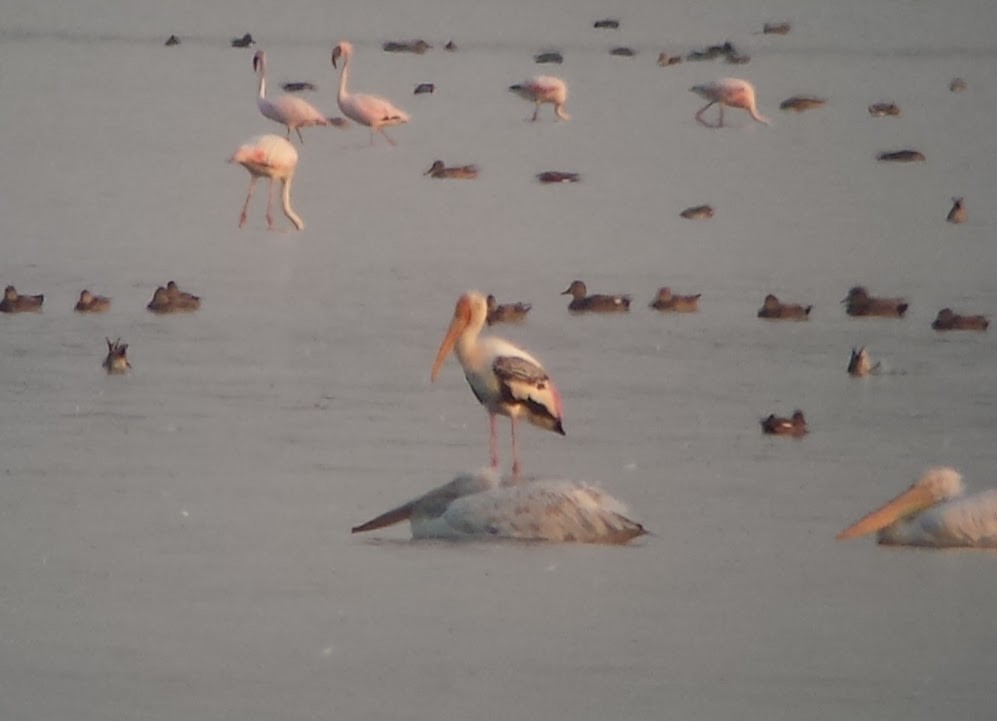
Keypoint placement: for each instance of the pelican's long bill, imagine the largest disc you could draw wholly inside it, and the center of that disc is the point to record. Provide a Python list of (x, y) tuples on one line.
[(461, 318), (909, 503)]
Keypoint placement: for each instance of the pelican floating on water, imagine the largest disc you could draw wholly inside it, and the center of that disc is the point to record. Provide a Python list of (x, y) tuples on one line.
[(933, 513), (481, 505)]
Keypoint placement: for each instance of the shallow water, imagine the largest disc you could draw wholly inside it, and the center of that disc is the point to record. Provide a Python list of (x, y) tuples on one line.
[(175, 543)]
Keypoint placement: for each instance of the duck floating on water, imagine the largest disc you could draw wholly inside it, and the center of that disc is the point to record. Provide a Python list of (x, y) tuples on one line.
[(665, 300), (116, 361), (774, 309), (859, 303), (948, 319), (581, 302), (90, 303), (506, 312), (795, 426), (14, 302)]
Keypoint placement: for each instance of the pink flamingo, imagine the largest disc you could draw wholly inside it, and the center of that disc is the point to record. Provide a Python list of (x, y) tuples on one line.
[(287, 109), (276, 158), (544, 89), (731, 92), (375, 112)]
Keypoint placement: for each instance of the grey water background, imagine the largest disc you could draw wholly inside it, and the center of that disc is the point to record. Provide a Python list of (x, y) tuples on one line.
[(175, 543)]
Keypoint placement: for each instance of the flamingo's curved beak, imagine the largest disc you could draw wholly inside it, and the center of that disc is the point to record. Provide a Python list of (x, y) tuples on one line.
[(336, 53)]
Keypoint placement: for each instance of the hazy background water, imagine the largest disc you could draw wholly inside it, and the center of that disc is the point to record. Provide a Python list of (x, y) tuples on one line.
[(175, 543)]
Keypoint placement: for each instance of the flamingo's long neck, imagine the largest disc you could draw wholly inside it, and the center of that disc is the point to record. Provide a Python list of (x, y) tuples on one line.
[(263, 79), (343, 92), (285, 198)]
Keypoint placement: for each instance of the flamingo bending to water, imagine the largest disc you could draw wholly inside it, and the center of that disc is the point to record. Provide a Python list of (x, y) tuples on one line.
[(287, 110), (544, 89), (274, 157), (375, 112), (505, 379), (733, 93)]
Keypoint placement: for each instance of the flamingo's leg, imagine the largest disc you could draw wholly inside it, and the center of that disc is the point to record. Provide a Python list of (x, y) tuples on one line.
[(270, 205), (245, 206), (699, 115)]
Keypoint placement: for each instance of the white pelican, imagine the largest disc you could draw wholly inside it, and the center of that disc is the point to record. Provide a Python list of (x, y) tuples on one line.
[(480, 505), (732, 92), (505, 379), (933, 512)]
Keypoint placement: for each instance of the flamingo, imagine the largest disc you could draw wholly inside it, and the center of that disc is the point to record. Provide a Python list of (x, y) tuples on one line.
[(479, 505), (732, 92), (276, 158), (375, 112), (287, 109), (505, 379), (544, 89), (933, 513)]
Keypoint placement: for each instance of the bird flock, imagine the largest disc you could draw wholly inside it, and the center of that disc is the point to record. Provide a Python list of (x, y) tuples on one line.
[(507, 380)]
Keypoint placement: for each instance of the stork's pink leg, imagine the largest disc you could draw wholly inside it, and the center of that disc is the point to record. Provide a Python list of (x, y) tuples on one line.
[(245, 206), (493, 440), (515, 449)]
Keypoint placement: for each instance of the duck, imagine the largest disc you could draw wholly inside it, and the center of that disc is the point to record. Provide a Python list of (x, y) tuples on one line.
[(90, 303), (664, 59), (860, 303), (777, 28), (947, 319), (774, 309), (463, 172), (957, 85), (406, 46), (171, 41), (774, 425), (13, 302), (607, 23), (581, 302), (623, 52), (665, 300), (958, 212), (860, 363), (506, 312), (548, 56), (423, 88), (244, 42), (558, 176), (116, 361), (799, 103), (882, 110), (901, 156), (697, 212)]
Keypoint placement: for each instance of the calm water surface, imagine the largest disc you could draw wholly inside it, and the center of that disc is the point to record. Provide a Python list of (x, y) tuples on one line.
[(175, 544)]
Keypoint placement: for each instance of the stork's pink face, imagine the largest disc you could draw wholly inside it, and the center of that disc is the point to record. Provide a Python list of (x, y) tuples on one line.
[(461, 320)]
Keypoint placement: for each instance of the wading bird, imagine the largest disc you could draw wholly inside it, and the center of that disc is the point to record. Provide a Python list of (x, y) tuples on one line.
[(287, 110), (274, 157), (733, 93), (370, 110), (505, 379), (544, 89)]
